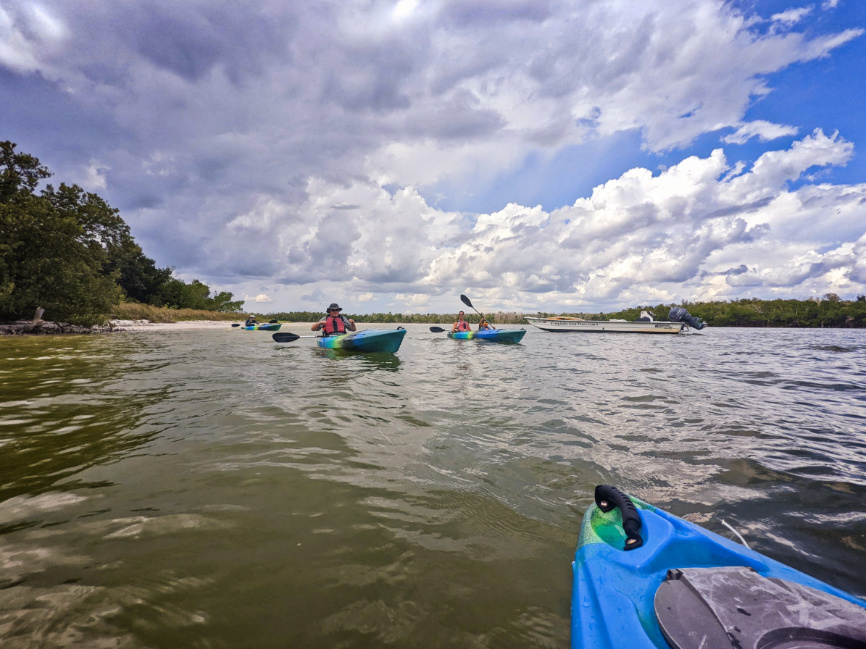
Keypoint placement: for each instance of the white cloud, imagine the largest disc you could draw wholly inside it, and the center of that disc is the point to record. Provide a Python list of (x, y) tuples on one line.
[(791, 16), (763, 130), (261, 298), (641, 237), (405, 8), (29, 35)]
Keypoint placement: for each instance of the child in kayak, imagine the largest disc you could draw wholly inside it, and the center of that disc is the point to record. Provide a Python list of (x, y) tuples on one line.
[(484, 325)]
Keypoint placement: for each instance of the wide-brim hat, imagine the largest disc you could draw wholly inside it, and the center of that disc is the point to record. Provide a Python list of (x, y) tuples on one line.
[(335, 307)]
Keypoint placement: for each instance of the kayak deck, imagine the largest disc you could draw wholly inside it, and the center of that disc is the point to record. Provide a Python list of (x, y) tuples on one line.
[(628, 598), (490, 335), (366, 341)]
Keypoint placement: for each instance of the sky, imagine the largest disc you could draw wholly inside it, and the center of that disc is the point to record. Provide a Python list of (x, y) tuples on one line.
[(535, 155)]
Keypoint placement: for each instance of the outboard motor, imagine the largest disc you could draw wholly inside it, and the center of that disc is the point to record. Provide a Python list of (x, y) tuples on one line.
[(679, 314)]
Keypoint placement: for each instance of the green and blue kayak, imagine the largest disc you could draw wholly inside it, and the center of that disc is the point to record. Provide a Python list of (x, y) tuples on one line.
[(490, 335), (644, 578), (368, 341), (262, 327)]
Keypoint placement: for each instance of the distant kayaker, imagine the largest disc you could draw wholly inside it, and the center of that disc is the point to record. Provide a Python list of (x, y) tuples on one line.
[(461, 324), (335, 323), (251, 321), (483, 324)]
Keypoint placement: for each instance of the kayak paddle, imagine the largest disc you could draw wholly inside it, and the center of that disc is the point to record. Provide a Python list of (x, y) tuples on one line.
[(469, 304), (289, 338), (235, 325), (437, 330)]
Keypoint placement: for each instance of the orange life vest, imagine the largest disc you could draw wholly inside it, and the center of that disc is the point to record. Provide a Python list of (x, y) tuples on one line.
[(334, 325), (462, 325)]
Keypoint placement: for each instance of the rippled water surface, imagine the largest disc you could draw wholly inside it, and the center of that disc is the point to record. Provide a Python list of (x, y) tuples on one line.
[(210, 488)]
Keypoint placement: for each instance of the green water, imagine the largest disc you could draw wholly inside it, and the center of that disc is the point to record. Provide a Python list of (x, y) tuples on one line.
[(210, 488)]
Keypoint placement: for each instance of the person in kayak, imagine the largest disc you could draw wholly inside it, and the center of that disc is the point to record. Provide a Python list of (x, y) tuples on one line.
[(484, 325), (335, 323), (461, 324), (251, 321)]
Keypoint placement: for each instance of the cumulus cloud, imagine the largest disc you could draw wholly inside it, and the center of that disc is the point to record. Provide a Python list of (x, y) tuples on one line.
[(299, 148), (680, 233), (261, 298)]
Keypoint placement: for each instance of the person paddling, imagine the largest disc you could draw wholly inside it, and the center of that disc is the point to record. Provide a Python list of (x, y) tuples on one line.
[(335, 323), (461, 324), (251, 321), (483, 324)]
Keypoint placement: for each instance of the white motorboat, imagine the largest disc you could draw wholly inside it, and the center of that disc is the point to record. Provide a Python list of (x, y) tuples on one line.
[(646, 324)]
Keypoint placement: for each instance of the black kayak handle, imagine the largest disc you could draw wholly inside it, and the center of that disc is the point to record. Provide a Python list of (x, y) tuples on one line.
[(608, 497)]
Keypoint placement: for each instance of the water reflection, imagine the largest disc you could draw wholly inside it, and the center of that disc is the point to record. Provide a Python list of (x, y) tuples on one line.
[(382, 361), (66, 409)]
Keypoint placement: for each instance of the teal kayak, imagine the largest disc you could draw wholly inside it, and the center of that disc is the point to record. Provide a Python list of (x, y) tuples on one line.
[(369, 340), (644, 578), (262, 327), (490, 335)]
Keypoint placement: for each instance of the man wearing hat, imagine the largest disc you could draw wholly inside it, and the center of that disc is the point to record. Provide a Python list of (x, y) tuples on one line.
[(335, 323)]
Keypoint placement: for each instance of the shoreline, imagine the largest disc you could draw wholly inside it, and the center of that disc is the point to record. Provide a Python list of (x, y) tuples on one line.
[(48, 328), (147, 325)]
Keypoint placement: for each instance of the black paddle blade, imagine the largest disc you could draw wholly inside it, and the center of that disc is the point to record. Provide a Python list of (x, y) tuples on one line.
[(466, 301), (437, 330), (285, 337), (235, 325), (273, 321)]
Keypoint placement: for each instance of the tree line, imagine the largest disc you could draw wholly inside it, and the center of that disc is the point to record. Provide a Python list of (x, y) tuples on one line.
[(69, 252), (827, 311)]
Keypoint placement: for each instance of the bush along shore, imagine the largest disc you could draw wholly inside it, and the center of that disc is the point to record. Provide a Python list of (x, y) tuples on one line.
[(123, 312), (825, 312)]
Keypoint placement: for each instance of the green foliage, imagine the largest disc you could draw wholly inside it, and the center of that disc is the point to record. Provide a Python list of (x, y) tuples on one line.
[(136, 274), (222, 303), (19, 174), (54, 244), (68, 251), (752, 312), (176, 294)]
